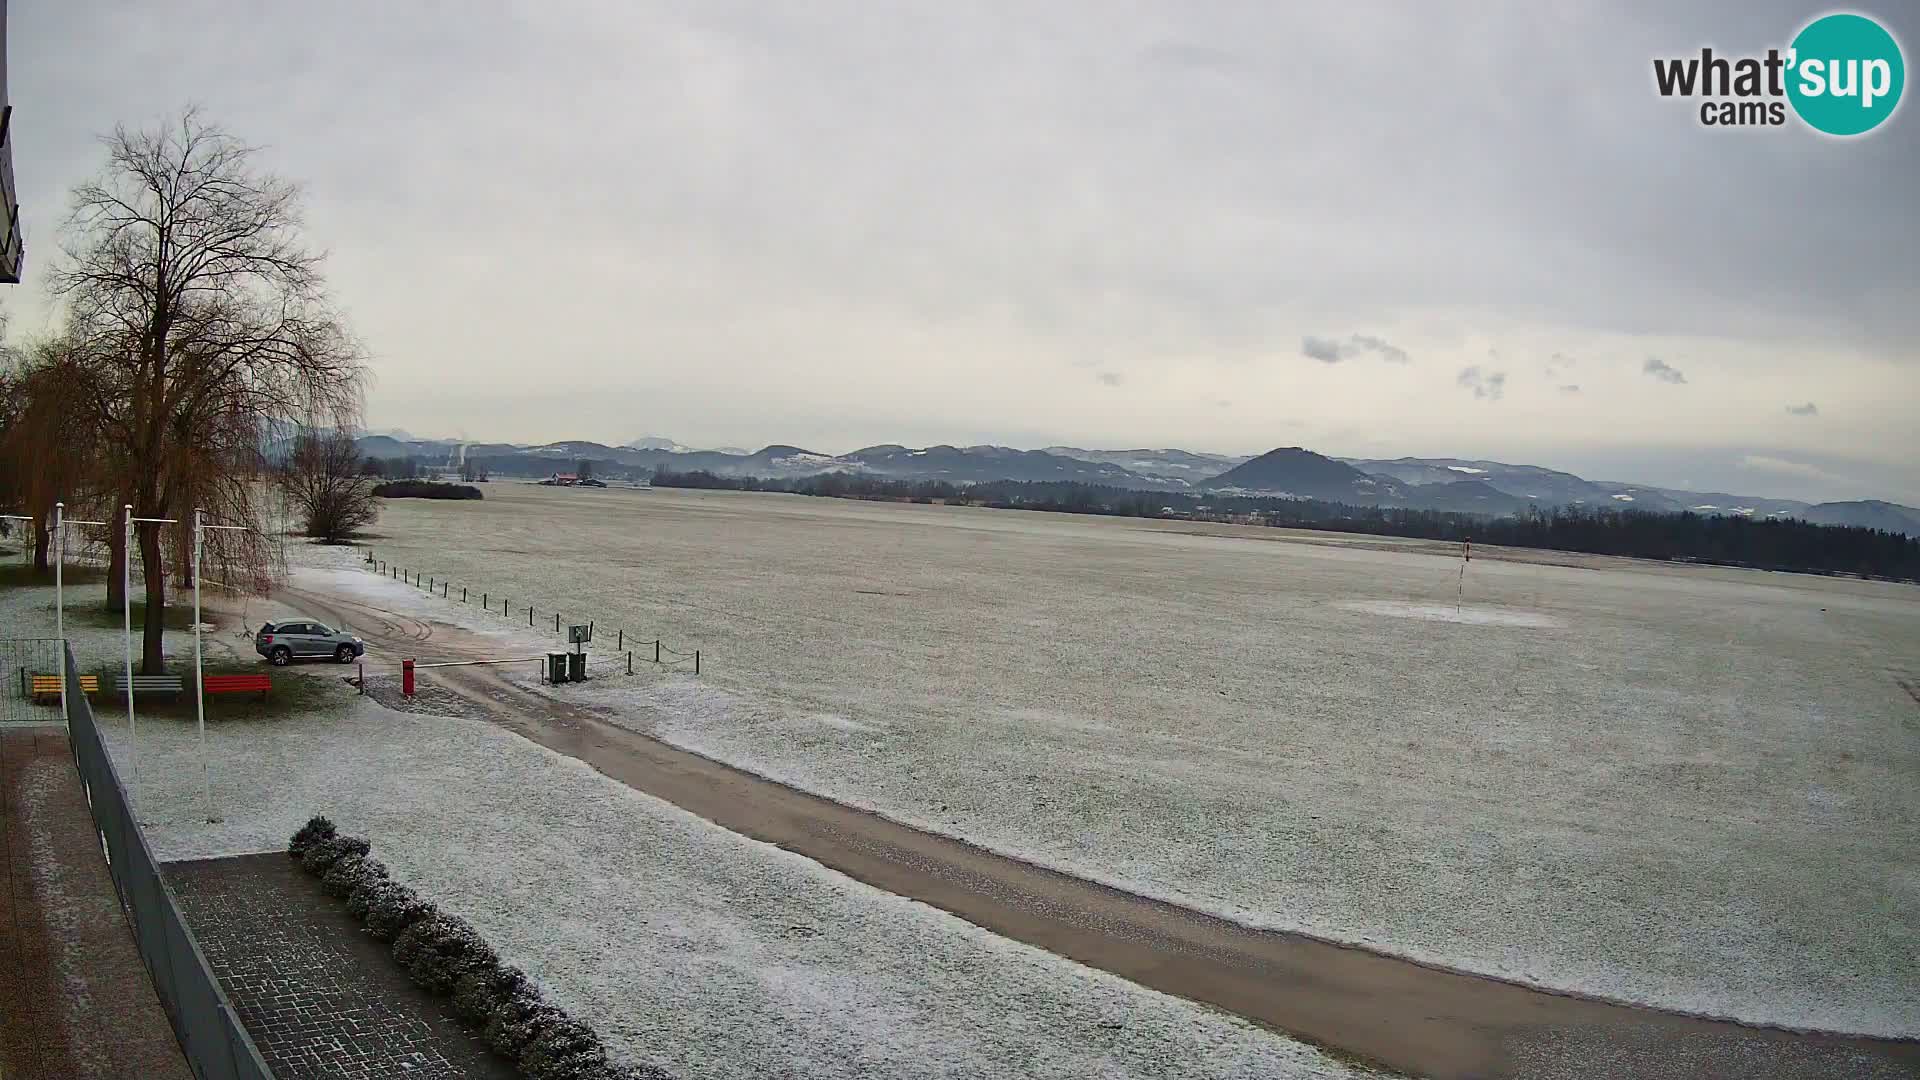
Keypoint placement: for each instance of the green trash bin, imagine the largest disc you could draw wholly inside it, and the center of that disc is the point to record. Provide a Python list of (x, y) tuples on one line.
[(556, 667), (577, 667)]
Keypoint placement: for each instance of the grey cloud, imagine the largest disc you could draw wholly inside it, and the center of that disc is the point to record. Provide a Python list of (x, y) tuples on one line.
[(1387, 351), (1111, 378), (835, 182), (1325, 350), (1809, 409), (1662, 370), (1329, 351), (1570, 388), (1488, 385)]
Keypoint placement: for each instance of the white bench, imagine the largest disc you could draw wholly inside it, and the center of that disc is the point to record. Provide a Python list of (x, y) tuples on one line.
[(150, 684)]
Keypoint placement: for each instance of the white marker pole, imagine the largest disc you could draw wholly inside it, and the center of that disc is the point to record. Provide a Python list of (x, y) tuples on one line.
[(126, 607), (199, 687), (126, 616), (199, 677), (59, 591), (59, 597)]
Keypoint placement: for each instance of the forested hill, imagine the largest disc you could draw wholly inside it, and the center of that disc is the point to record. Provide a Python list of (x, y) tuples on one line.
[(1771, 544)]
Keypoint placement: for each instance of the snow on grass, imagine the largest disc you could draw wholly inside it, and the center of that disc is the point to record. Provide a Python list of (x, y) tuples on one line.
[(1633, 803), (1455, 613), (388, 594), (684, 944)]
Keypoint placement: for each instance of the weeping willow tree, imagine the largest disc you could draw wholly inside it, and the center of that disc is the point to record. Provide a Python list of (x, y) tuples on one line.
[(199, 322), (48, 452)]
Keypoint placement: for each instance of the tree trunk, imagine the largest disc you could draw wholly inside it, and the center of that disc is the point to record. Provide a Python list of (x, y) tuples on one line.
[(153, 562), (116, 560), (42, 542)]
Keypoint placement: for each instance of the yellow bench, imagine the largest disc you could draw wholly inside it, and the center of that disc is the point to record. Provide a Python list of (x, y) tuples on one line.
[(48, 686)]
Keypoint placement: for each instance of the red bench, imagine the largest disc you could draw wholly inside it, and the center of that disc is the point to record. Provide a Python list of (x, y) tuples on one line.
[(238, 684)]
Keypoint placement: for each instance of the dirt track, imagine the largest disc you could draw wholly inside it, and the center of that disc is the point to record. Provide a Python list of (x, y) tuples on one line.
[(1379, 1009)]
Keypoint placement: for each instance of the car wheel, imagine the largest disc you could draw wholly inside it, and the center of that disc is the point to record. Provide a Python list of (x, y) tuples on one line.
[(344, 654), (281, 656)]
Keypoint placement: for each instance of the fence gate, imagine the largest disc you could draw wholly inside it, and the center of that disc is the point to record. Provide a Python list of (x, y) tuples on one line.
[(30, 680)]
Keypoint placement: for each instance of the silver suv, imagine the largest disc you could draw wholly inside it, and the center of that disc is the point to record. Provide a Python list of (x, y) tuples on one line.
[(281, 642)]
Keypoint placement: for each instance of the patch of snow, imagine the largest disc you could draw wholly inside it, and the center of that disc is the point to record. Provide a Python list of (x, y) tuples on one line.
[(1468, 469), (1624, 498), (684, 945), (1468, 615)]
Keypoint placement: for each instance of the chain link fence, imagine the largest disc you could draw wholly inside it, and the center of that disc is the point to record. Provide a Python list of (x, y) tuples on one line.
[(216, 1044), (30, 680)]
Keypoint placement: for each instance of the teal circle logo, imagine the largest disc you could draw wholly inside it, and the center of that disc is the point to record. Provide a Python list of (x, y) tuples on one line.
[(1845, 74)]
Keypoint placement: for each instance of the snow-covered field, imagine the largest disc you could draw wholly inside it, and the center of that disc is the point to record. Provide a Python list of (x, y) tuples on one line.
[(1682, 786), (685, 945)]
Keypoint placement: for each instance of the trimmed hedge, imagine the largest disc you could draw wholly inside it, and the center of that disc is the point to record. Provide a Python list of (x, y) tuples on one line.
[(445, 955)]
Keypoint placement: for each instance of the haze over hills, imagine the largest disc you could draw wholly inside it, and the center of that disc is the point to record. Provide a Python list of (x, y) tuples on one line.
[(1451, 484)]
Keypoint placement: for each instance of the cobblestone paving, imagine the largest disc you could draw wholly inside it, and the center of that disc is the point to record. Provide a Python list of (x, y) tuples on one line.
[(320, 997)]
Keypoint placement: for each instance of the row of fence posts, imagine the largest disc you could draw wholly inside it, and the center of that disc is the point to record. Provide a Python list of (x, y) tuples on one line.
[(415, 578)]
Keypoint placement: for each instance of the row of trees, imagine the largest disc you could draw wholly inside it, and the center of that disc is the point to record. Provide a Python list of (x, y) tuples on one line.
[(1776, 544), (194, 321)]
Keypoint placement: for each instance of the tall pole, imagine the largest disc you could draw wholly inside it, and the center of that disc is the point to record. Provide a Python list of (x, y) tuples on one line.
[(126, 615), (59, 597), (199, 686)]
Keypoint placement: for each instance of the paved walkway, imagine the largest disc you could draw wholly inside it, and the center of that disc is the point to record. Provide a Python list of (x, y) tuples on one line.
[(75, 1000), (319, 996)]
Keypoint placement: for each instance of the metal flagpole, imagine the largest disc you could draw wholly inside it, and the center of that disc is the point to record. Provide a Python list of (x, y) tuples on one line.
[(60, 597), (199, 686), (199, 678), (126, 614), (60, 593)]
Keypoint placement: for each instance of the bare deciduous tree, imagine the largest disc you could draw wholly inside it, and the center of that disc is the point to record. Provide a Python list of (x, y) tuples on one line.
[(200, 318), (323, 480)]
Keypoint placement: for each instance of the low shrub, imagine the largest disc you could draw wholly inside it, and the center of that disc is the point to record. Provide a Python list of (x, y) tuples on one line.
[(565, 1049), (445, 955), (517, 1020), (392, 912), (363, 896), (439, 949), (349, 871), (315, 830), (480, 991), (322, 854)]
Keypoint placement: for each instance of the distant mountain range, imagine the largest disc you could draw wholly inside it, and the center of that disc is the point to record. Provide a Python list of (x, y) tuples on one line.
[(1453, 484)]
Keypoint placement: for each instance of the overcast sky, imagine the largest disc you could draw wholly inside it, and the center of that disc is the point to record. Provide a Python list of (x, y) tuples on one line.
[(1369, 229)]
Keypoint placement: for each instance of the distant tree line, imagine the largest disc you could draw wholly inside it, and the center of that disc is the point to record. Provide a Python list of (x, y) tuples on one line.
[(1765, 543), (424, 489)]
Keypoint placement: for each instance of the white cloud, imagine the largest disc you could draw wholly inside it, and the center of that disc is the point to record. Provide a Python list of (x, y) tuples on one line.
[(1784, 467)]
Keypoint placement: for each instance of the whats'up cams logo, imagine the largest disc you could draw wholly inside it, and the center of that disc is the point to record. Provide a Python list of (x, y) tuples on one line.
[(1842, 75)]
